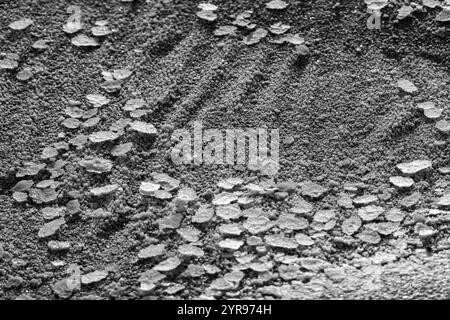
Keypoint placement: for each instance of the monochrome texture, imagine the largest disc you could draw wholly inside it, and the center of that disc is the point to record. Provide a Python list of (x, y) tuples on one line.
[(174, 149)]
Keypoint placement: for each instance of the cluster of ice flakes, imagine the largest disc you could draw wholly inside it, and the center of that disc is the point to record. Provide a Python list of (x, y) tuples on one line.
[(45, 183), (243, 21), (74, 25), (256, 229), (407, 10), (207, 12)]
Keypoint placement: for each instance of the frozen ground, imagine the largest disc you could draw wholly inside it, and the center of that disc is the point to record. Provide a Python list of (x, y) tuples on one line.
[(345, 124)]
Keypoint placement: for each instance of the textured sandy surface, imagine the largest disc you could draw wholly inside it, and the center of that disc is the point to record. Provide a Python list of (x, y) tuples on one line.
[(349, 123)]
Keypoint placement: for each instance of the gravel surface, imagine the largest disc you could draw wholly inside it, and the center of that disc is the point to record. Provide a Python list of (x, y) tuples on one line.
[(93, 207)]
